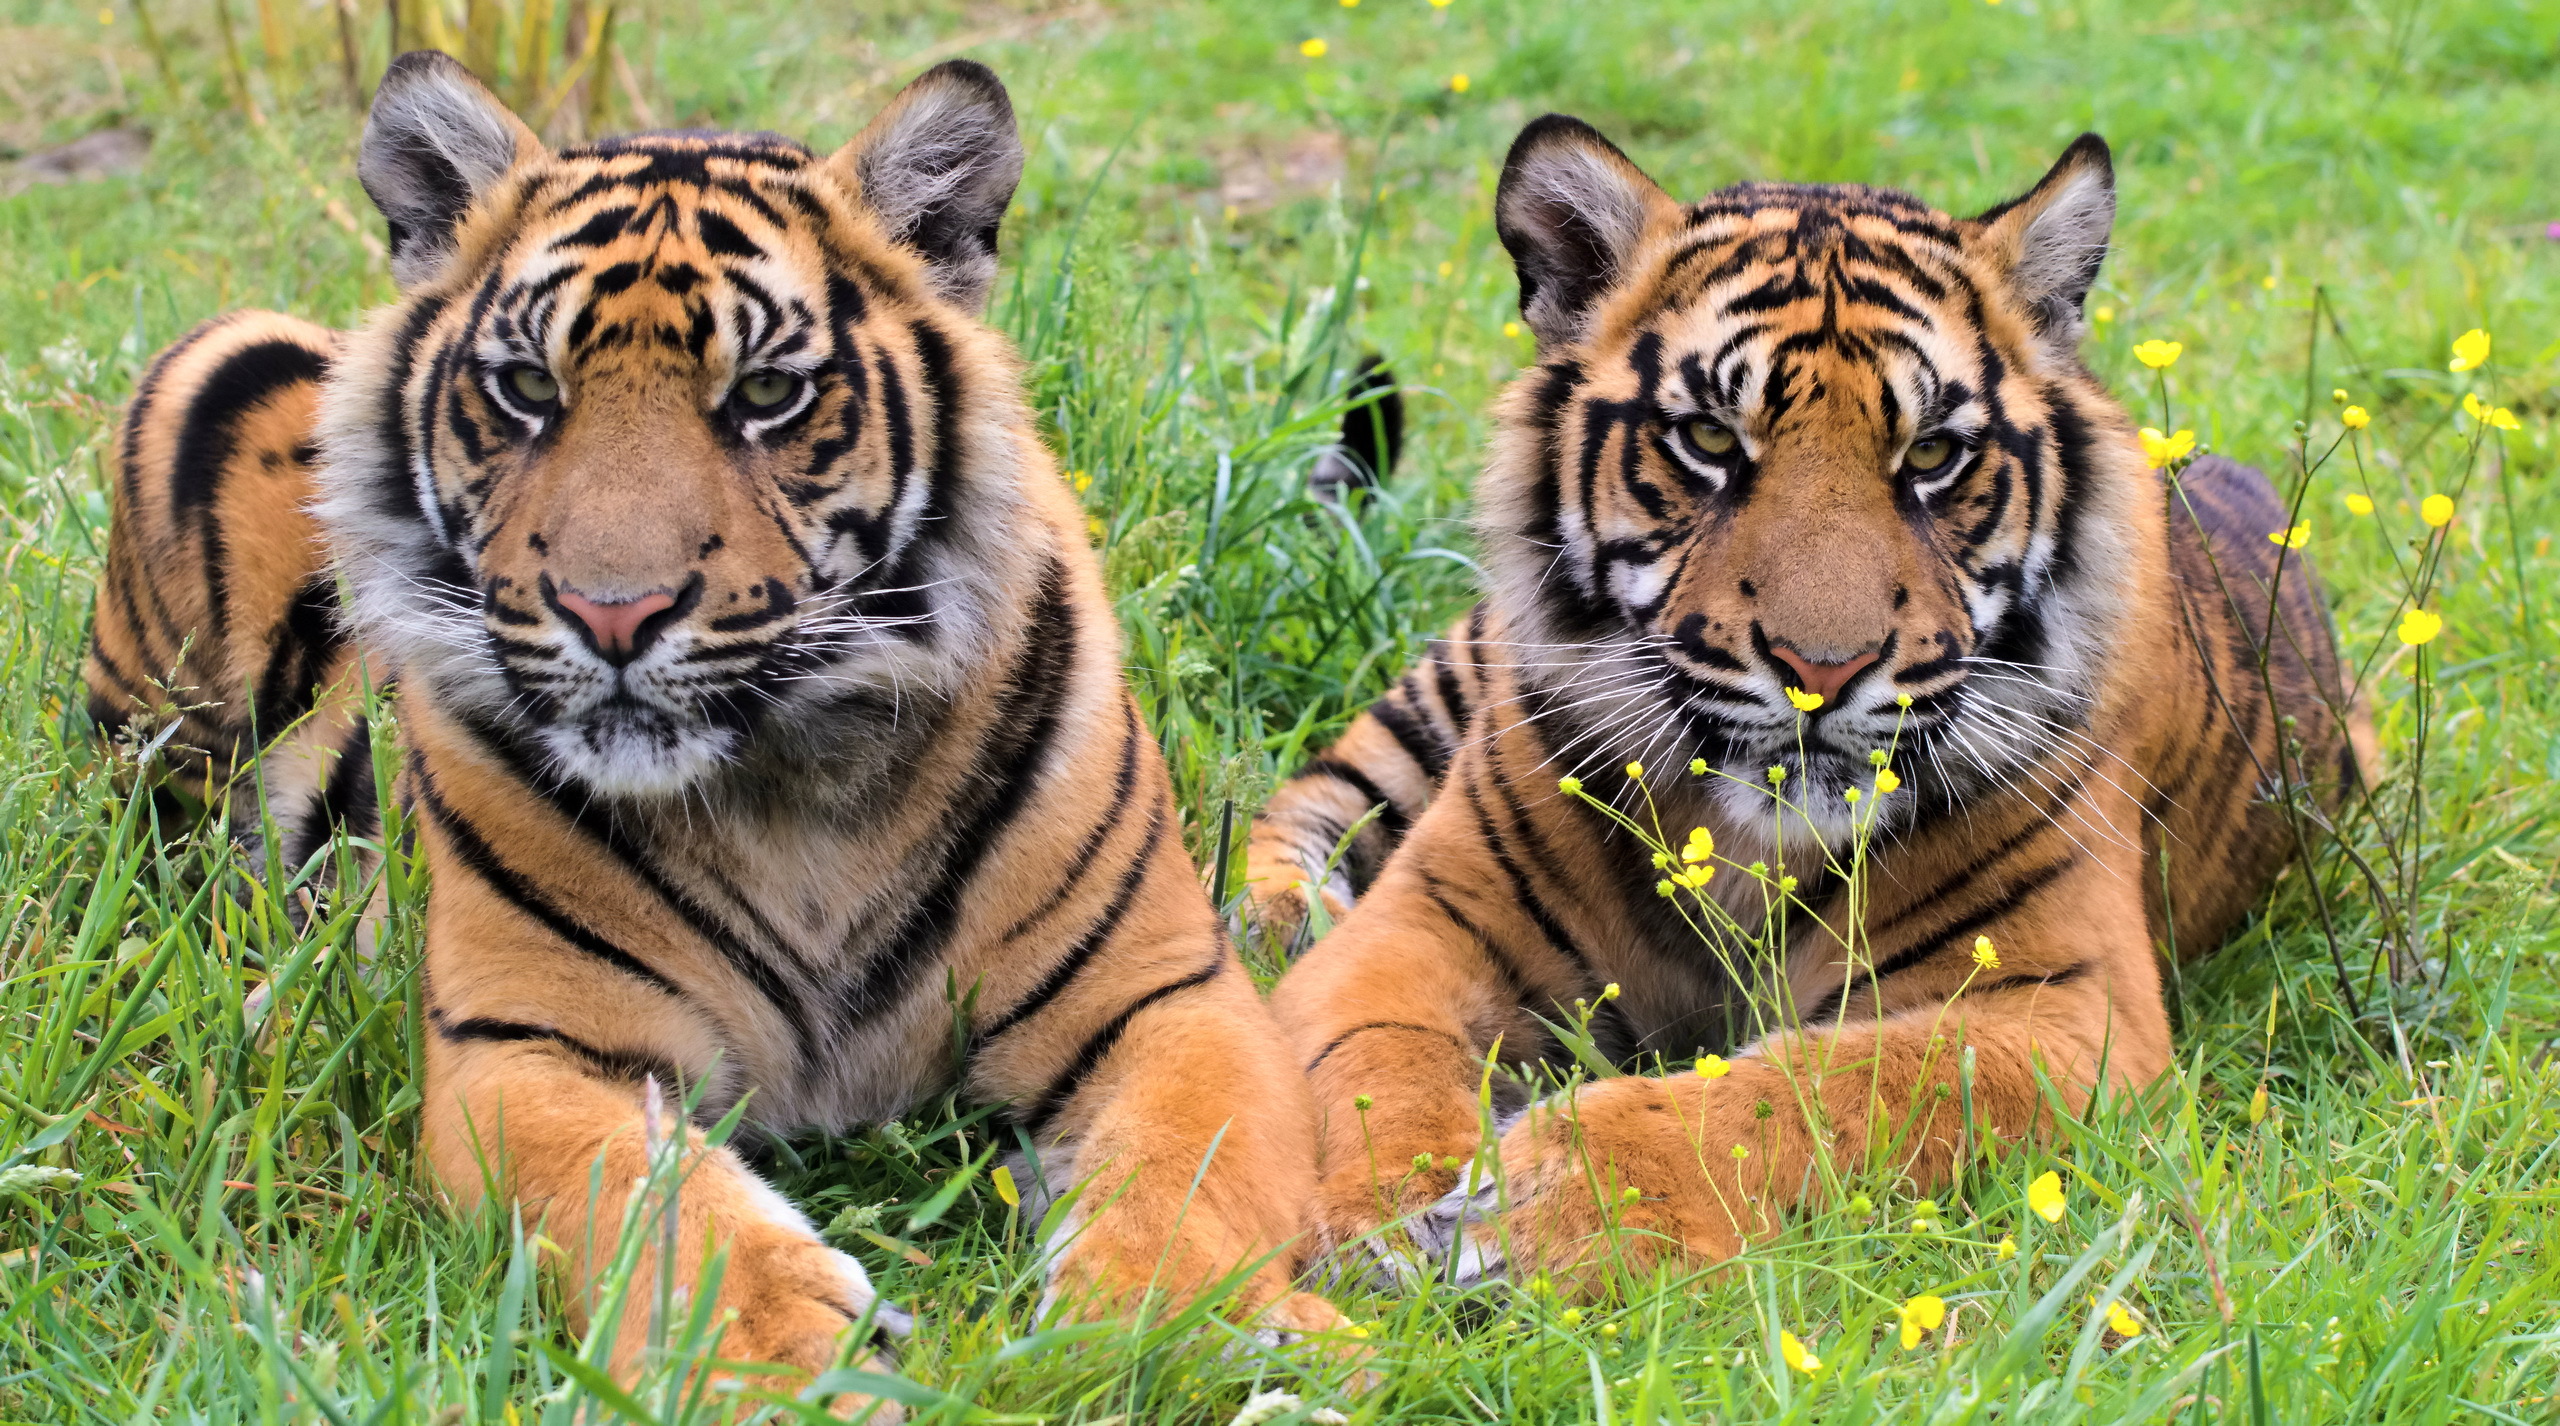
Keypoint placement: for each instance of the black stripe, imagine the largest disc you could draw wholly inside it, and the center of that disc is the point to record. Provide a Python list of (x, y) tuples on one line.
[(1391, 818), (1099, 1045), (301, 647), (1429, 748), (1513, 979), (1346, 1036), (1124, 784), (1977, 864), (209, 437), (1940, 940), (1523, 892), (2064, 976), (1027, 714), (477, 856), (1081, 952), (632, 1065)]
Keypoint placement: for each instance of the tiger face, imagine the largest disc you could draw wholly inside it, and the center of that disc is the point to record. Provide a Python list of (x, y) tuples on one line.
[(1798, 443), (661, 443)]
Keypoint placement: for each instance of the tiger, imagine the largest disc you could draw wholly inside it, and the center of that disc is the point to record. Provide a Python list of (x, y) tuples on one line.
[(759, 710), (1810, 529)]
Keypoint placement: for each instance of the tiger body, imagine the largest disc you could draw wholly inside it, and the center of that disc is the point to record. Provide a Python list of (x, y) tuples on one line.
[(775, 750), (1716, 486)]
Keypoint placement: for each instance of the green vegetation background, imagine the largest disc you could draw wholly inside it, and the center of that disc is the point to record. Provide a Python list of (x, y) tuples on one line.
[(208, 1209)]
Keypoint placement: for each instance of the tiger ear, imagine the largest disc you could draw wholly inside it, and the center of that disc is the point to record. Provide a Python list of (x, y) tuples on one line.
[(1570, 209), (2053, 239), (435, 141), (937, 168)]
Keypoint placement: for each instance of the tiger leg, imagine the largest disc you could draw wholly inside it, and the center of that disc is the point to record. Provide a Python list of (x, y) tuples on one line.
[(1195, 1154), (1391, 758), (513, 1110), (1632, 1171)]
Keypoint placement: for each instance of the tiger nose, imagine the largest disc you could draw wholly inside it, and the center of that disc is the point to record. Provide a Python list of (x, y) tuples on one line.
[(1825, 679), (616, 627)]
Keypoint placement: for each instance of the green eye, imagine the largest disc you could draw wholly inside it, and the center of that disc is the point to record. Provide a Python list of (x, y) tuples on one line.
[(534, 385), (1929, 454), (768, 389), (1710, 439)]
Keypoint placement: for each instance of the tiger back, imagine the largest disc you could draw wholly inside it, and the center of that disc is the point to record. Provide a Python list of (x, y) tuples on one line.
[(1809, 530), (759, 703)]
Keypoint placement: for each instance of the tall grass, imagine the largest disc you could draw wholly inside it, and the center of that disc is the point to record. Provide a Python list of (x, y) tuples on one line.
[(2337, 1207)]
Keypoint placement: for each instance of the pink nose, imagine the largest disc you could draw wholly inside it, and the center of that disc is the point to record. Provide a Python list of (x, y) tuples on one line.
[(616, 625), (1825, 679)]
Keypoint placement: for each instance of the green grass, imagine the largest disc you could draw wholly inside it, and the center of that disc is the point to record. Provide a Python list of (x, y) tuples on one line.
[(238, 1232)]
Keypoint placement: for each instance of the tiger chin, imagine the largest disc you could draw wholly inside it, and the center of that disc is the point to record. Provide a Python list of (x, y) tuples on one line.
[(756, 689), (1808, 490)]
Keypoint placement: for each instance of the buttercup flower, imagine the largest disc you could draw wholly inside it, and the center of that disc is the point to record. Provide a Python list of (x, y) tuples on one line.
[(1313, 49), (2103, 314), (2504, 419), (1925, 1313), (1713, 1067), (2124, 1320), (2006, 1248), (1635, 770), (1985, 954), (2159, 450), (2473, 407), (2045, 1196), (2355, 418), (1886, 781), (2418, 626), (2469, 350), (2436, 510), (1702, 845), (1457, 84), (1798, 1355), (1510, 329), (2158, 355), (2292, 539), (1740, 1153), (1568, 785), (1804, 702), (2359, 504), (2338, 394), (1697, 767)]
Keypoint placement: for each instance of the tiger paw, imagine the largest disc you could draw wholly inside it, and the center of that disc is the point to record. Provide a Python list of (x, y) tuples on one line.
[(794, 1303)]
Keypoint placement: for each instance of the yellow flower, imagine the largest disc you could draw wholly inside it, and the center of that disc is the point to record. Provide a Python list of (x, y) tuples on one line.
[(2159, 449), (2469, 350), (1798, 1355), (2355, 418), (1635, 770), (1572, 1317), (1093, 527), (1697, 767), (1510, 329), (1350, 4), (2505, 420), (2359, 504), (2268, 282), (2158, 355), (1439, 4), (2006, 1248), (1696, 878), (1804, 702), (1083, 480), (1925, 1313), (2292, 539), (2418, 626), (2103, 314), (2474, 407), (1852, 795), (2045, 1197), (2124, 1320), (1713, 1067), (2338, 394), (1457, 84), (1702, 845), (1985, 954), (1740, 1153), (1313, 49), (1569, 786), (2436, 510), (1886, 781)]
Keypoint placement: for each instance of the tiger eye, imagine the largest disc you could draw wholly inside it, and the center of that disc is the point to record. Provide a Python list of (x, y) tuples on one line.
[(1712, 439), (534, 385), (766, 389), (1929, 454)]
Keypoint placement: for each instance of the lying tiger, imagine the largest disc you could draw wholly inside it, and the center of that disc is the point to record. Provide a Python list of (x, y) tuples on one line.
[(1808, 518), (759, 701)]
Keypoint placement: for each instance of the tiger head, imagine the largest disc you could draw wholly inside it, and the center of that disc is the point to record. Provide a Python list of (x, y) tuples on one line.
[(664, 440), (1807, 442)]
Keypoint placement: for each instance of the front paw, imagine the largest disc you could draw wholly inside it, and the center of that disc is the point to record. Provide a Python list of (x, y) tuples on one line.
[(797, 1302), (1609, 1180), (1381, 1236)]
